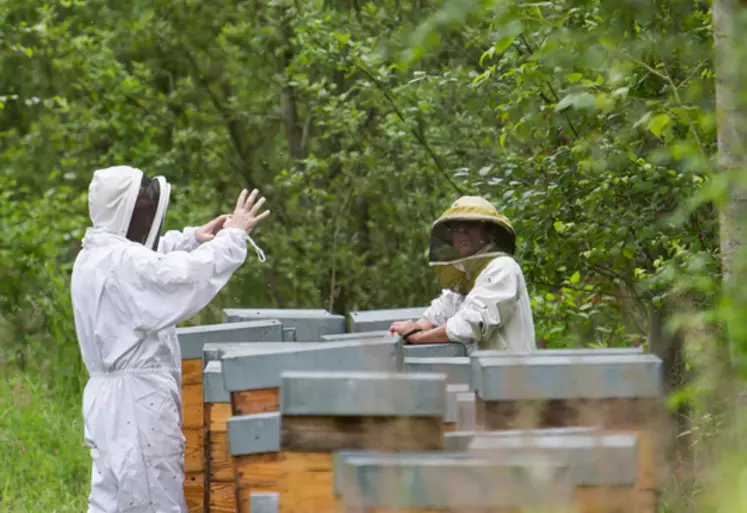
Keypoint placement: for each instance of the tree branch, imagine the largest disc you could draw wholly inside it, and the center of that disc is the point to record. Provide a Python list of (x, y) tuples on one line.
[(675, 93), (418, 136), (552, 91)]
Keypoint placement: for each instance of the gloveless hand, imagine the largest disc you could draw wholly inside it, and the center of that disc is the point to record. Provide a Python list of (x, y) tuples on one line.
[(210, 230), (245, 215), (402, 327)]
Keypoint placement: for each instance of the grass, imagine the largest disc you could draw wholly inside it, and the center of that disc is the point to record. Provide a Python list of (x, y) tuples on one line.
[(44, 465)]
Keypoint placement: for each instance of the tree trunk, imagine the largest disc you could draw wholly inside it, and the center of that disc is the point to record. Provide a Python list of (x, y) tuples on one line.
[(729, 30), (731, 115)]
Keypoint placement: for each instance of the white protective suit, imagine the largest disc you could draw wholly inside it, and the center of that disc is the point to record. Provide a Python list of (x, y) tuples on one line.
[(127, 300), (496, 314)]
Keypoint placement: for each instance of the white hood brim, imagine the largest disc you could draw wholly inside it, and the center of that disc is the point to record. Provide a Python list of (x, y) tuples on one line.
[(163, 204), (111, 198)]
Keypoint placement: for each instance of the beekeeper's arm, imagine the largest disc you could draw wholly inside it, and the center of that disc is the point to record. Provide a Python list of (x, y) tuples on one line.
[(490, 303), (174, 240), (442, 308), (162, 290), (191, 237), (435, 315)]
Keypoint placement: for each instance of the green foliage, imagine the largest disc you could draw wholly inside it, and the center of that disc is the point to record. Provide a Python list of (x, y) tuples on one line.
[(600, 130), (41, 233), (587, 123)]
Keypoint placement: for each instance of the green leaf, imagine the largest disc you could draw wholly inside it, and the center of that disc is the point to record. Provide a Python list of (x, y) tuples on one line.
[(502, 45), (578, 100), (487, 54), (575, 277), (621, 92), (658, 123)]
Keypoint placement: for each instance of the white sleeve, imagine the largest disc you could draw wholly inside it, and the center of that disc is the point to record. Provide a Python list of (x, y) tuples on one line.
[(161, 290), (443, 307), (174, 240), (490, 303)]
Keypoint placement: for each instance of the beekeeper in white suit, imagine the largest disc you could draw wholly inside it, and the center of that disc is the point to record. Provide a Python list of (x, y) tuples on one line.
[(484, 301), (129, 289)]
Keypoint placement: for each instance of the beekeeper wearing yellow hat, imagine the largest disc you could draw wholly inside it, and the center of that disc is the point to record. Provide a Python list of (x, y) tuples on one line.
[(484, 303)]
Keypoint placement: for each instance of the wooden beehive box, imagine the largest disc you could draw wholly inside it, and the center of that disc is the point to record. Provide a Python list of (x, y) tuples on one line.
[(415, 483), (335, 411), (616, 392), (191, 342)]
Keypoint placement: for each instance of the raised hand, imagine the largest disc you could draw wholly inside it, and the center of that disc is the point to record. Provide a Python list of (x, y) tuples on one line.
[(245, 216)]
